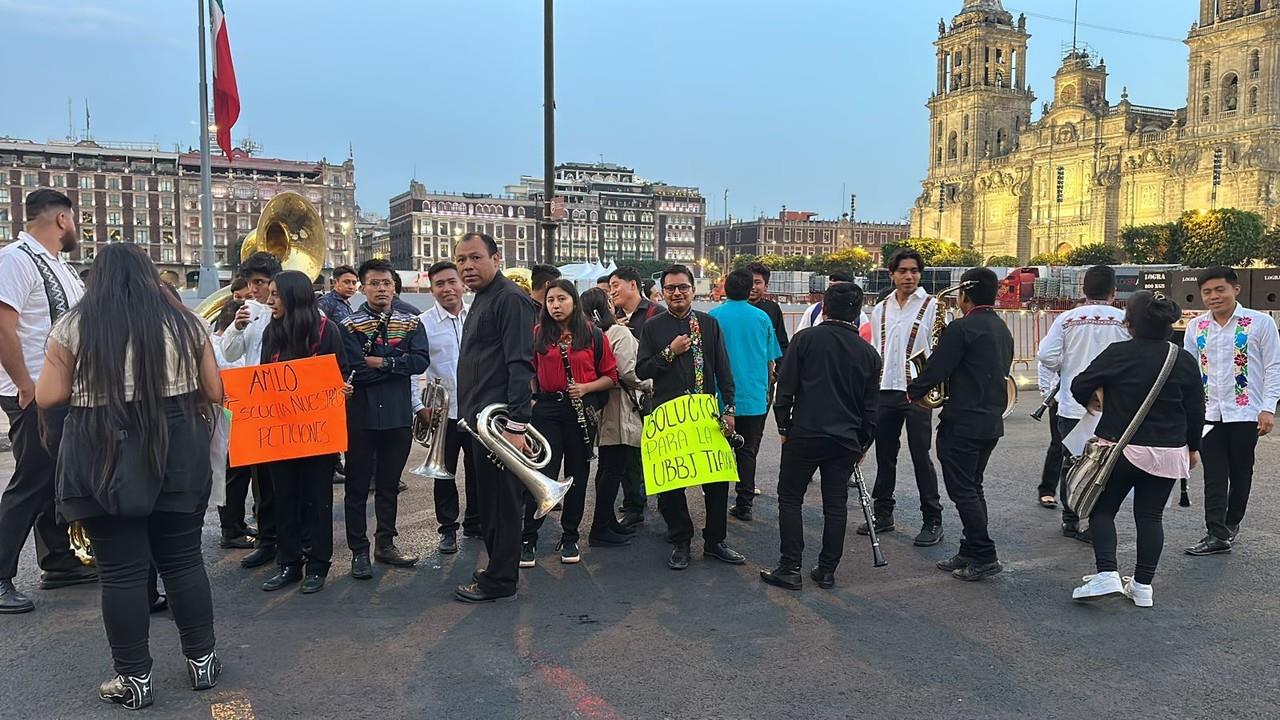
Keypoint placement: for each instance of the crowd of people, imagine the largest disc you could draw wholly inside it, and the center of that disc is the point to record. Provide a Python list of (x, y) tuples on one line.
[(112, 391)]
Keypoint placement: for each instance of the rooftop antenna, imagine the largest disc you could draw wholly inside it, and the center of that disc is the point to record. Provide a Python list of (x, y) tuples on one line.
[(87, 134), (71, 125), (1075, 26)]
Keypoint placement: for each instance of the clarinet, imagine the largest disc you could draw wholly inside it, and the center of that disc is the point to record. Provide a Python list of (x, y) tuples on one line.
[(1048, 400), (877, 555), (578, 408)]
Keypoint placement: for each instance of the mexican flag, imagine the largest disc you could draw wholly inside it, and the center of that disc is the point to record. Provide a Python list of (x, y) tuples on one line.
[(226, 98)]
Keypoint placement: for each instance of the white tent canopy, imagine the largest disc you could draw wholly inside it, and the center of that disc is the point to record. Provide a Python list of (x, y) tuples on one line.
[(584, 275)]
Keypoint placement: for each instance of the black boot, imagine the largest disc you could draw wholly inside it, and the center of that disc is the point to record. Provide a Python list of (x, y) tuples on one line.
[(287, 575), (203, 672)]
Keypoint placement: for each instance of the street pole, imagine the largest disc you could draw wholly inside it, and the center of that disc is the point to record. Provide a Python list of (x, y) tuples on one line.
[(208, 271), (548, 132)]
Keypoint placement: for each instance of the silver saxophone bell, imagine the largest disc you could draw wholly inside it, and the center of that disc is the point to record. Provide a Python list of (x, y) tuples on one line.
[(490, 423), (430, 433)]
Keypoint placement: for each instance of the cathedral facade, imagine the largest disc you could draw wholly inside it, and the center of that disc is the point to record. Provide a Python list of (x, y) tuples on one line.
[(1005, 185)]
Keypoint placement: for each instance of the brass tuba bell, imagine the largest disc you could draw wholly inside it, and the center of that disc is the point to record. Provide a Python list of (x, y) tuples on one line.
[(490, 422), (430, 433)]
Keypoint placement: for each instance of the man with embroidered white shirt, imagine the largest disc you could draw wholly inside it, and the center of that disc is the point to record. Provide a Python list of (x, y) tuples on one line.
[(36, 287), (900, 327), (1238, 350), (1075, 338), (443, 324), (812, 315)]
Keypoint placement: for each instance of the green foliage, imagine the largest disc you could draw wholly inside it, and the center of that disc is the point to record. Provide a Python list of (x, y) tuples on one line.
[(1048, 258), (1152, 244), (1093, 254), (1271, 246), (936, 252), (646, 268), (1003, 261), (1221, 237), (741, 261)]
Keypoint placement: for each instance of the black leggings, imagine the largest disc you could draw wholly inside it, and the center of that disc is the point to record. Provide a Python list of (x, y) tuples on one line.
[(1150, 493), (124, 549)]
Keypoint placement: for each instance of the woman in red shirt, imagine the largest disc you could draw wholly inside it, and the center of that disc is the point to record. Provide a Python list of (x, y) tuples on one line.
[(564, 337)]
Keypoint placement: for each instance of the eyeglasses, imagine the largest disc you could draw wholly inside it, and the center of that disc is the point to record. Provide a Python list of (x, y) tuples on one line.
[(683, 288), (380, 284)]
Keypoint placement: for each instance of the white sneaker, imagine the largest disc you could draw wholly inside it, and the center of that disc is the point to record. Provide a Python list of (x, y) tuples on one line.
[(1137, 592), (1097, 587)]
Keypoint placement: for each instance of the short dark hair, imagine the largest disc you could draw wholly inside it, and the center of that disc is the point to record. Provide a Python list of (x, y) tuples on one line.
[(843, 301), (439, 268), (1217, 272), (756, 268), (839, 276), (489, 243), (260, 263), (738, 285), (1151, 316), (343, 270), (239, 283), (41, 201), (677, 270), (377, 265), (627, 274), (602, 280), (904, 253), (541, 275), (1099, 282), (983, 287)]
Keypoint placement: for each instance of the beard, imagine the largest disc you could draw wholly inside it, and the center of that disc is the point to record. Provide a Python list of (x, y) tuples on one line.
[(69, 240)]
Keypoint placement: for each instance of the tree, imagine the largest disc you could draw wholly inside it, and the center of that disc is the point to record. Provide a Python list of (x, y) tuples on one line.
[(1003, 261), (741, 261), (1048, 258), (936, 253), (1221, 237), (794, 262), (854, 259), (1093, 254), (1151, 244), (1271, 246)]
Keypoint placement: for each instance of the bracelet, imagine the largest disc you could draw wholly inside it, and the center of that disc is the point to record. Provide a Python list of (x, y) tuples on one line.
[(667, 355)]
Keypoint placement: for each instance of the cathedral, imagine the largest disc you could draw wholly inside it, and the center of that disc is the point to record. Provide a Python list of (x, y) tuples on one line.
[(1004, 185)]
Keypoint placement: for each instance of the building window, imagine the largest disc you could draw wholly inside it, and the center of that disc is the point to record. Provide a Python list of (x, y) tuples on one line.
[(4, 232), (953, 142), (140, 201), (59, 180), (86, 234), (1255, 63), (113, 199), (1253, 100), (1204, 107), (166, 254), (114, 235), (140, 218), (242, 223), (1230, 92), (142, 235), (113, 218), (1206, 76), (30, 179), (113, 183), (86, 182), (4, 195), (166, 185)]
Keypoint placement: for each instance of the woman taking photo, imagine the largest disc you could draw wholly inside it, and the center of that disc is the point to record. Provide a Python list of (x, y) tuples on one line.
[(1163, 449), (620, 422), (565, 405), (303, 486), (139, 373)]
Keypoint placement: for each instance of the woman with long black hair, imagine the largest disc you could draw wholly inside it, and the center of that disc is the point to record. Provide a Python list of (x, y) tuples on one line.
[(139, 373), (565, 404), (303, 486)]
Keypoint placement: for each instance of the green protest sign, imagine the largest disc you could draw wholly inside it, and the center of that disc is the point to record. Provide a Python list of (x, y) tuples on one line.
[(682, 445)]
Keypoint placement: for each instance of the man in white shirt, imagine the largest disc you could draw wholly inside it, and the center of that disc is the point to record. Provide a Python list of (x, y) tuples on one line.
[(901, 325), (36, 287), (1076, 337), (1239, 354), (443, 324), (813, 314)]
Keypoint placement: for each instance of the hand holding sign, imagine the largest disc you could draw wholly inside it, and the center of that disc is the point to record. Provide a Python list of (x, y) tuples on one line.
[(682, 445), (285, 410)]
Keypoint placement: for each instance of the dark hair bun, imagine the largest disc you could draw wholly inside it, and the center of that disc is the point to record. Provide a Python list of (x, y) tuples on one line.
[(1164, 310)]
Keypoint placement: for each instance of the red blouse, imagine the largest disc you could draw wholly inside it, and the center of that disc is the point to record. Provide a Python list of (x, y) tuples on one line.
[(550, 367)]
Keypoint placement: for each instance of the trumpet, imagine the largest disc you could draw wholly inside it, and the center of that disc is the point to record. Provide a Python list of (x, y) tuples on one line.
[(430, 433), (490, 424)]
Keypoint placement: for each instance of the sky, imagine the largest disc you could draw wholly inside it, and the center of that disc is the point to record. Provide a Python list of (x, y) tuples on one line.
[(780, 102)]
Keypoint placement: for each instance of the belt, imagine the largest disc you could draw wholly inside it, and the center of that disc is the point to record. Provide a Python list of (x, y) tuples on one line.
[(552, 397)]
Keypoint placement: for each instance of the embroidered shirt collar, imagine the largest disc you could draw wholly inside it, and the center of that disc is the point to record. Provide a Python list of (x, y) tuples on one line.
[(35, 245)]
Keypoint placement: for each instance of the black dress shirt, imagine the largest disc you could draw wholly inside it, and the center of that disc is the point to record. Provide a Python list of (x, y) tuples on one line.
[(636, 321), (829, 387), (381, 400), (774, 311), (675, 378), (1126, 371), (495, 363), (973, 357)]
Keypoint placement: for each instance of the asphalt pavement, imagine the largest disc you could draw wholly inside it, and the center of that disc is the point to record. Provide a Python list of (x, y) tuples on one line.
[(621, 636)]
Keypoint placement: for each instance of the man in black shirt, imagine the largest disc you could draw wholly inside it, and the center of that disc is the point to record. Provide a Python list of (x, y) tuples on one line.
[(385, 348), (826, 405), (759, 298), (495, 365), (630, 304), (677, 349), (973, 358)]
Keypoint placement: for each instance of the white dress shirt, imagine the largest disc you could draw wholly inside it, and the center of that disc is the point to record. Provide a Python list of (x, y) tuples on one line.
[(246, 345), (891, 326), (1074, 339), (813, 316), (22, 288), (444, 340), (1261, 372)]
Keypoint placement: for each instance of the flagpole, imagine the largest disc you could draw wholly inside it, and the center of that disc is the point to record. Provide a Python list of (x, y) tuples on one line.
[(208, 271)]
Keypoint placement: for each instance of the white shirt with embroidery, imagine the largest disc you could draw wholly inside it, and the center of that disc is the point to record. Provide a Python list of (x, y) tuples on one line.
[(22, 288), (891, 327), (1075, 338), (1239, 364)]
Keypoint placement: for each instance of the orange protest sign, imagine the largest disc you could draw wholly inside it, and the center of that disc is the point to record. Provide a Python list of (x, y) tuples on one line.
[(285, 410)]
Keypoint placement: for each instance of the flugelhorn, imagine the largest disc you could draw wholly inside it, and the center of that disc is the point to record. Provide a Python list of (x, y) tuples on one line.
[(430, 433), (490, 424)]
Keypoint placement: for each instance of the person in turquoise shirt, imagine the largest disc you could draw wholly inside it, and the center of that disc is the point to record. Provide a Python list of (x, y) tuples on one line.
[(752, 346)]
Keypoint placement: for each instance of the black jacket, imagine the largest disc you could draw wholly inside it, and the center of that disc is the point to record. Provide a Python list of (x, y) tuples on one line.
[(774, 311), (673, 379), (973, 357), (495, 363), (829, 387), (645, 310), (381, 400), (1126, 371)]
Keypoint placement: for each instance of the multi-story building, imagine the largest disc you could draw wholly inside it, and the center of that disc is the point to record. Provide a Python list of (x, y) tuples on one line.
[(1004, 185), (424, 226), (135, 192), (797, 233), (373, 236)]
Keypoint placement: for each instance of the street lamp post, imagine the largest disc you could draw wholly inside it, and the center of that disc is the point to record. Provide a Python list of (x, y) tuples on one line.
[(548, 132)]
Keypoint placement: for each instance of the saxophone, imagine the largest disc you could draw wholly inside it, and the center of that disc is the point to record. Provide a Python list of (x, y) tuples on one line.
[(937, 395)]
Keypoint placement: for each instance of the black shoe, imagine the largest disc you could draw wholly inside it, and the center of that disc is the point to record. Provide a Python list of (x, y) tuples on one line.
[(783, 578), (473, 594), (403, 486), (263, 555), (569, 553), (621, 529), (160, 604), (472, 534), (475, 576), (528, 553), (246, 529), (1210, 545), (288, 575), (608, 538), (631, 519), (53, 579), (1085, 536), (1235, 532), (449, 543), (203, 672), (13, 602), (312, 583), (929, 536), (391, 555), (742, 512), (679, 557), (133, 692), (360, 568), (1070, 529), (953, 563), (724, 553), (239, 542), (826, 579), (977, 571), (883, 525)]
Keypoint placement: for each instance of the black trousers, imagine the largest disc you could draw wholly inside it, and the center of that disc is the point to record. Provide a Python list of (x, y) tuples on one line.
[(751, 428), (1051, 475), (1228, 453), (634, 498), (558, 422), (1065, 426), (501, 497), (801, 457), (304, 511), (374, 457), (1150, 493), (264, 506), (894, 412), (457, 442), (610, 470), (674, 506), (964, 460), (124, 549), (231, 514), (28, 501)]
